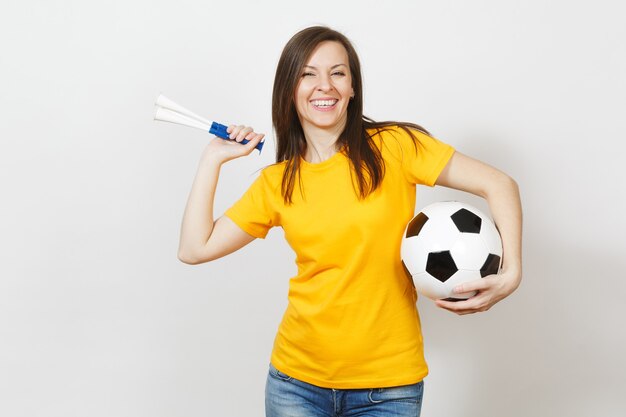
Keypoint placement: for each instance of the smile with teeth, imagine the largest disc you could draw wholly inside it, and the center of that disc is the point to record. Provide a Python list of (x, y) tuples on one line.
[(324, 103)]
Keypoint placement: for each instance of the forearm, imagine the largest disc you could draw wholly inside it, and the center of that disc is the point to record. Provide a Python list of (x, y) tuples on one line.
[(197, 224), (505, 205)]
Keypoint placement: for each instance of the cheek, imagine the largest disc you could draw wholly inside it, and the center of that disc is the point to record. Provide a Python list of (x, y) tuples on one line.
[(346, 87), (300, 103), (298, 99), (349, 85), (302, 92)]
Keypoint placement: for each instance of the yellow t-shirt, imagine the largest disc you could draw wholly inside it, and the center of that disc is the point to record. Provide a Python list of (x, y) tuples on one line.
[(351, 320)]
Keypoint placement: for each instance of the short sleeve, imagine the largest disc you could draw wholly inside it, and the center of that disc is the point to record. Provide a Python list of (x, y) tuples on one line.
[(422, 159), (253, 212)]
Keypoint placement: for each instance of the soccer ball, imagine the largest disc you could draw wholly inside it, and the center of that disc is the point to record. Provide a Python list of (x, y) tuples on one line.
[(449, 243)]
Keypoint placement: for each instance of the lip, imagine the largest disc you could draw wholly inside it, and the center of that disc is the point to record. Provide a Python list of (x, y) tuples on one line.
[(324, 109)]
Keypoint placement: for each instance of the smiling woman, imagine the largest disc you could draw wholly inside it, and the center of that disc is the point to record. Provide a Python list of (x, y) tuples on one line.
[(343, 189), (322, 97)]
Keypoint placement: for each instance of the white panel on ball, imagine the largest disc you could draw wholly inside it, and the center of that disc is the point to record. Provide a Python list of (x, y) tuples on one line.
[(439, 233), (414, 255), (429, 286), (469, 251), (492, 238)]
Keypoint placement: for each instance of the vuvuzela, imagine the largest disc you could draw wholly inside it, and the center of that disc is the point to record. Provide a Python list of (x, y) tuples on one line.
[(169, 111)]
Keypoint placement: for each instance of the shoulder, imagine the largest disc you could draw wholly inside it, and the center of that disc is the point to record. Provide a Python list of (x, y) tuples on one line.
[(398, 133), (270, 177), (396, 140), (274, 171), (399, 137)]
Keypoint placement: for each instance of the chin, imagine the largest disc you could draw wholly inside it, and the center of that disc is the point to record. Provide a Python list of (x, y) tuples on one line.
[(327, 124)]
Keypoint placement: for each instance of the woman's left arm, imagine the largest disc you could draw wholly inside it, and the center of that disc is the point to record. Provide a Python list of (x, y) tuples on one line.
[(502, 194)]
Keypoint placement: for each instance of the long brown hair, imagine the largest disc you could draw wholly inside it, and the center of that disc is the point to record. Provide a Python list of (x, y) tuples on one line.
[(365, 157)]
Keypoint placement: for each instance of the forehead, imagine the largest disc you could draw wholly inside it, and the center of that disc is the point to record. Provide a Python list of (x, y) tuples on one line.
[(328, 53)]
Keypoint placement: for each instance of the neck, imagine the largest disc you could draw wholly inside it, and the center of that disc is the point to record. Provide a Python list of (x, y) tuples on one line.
[(321, 144)]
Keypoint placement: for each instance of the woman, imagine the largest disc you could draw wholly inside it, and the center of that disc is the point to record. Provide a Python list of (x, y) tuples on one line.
[(343, 189)]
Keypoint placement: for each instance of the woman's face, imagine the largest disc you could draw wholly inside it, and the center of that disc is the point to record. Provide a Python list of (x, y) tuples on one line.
[(325, 88)]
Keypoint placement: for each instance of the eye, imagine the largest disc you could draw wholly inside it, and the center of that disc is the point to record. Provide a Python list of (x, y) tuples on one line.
[(307, 74), (340, 73)]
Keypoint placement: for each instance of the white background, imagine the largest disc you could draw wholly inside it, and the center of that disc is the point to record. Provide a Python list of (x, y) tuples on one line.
[(99, 318)]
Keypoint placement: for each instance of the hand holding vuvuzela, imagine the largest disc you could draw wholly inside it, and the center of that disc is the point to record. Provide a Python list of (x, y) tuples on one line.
[(169, 111)]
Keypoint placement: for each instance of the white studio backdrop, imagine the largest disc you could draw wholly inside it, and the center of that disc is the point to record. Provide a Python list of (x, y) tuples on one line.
[(98, 317)]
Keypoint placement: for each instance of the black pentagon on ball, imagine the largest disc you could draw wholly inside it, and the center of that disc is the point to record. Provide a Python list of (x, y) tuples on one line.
[(415, 225), (491, 265), (441, 265), (466, 221)]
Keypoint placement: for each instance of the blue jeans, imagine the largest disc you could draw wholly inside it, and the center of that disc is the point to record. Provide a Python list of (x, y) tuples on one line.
[(288, 397)]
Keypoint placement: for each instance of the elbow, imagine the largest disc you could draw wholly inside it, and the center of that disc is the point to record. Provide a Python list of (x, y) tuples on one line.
[(195, 257), (189, 258), (511, 183), (186, 259), (502, 183), (514, 187)]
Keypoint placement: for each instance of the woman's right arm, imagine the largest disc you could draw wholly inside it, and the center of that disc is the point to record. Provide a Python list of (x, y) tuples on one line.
[(201, 238)]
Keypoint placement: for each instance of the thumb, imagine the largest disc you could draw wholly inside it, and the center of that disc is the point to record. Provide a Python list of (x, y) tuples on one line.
[(470, 286), (253, 142)]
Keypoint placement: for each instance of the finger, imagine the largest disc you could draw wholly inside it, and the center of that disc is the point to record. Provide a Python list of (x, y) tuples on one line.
[(452, 305), (243, 133), (247, 148), (233, 131), (480, 284), (254, 141), (457, 310), (252, 134), (456, 306), (476, 304)]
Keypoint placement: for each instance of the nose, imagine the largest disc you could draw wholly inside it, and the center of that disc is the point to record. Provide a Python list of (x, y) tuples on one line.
[(325, 83)]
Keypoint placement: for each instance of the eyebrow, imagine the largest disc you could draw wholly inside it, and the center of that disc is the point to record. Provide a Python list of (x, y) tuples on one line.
[(333, 67)]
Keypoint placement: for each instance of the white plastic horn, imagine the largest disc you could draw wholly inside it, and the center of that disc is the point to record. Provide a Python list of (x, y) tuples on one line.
[(169, 111), (166, 115), (166, 103)]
